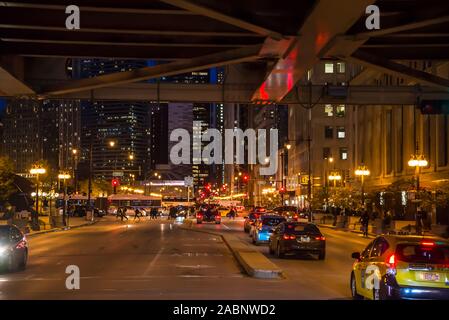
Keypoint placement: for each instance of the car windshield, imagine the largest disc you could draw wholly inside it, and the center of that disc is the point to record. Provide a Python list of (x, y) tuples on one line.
[(272, 221), (302, 229), (423, 254), (4, 235)]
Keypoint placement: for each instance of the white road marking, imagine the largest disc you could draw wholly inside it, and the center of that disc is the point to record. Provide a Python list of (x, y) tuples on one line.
[(225, 226), (153, 261)]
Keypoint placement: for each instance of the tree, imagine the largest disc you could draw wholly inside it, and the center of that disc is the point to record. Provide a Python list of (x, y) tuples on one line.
[(7, 186)]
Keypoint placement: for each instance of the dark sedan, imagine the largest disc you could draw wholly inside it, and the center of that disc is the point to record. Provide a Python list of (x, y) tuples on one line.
[(13, 248), (297, 237)]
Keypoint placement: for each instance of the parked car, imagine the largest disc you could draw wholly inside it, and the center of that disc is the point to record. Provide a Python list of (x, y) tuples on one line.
[(13, 248), (263, 227), (297, 237)]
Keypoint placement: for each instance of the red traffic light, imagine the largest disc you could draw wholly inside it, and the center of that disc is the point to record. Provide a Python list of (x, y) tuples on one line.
[(245, 178), (281, 189), (115, 182)]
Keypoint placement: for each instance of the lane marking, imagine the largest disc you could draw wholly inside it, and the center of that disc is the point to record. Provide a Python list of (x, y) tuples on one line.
[(153, 262)]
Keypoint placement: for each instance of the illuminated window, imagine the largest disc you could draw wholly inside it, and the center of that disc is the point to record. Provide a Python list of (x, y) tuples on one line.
[(344, 153), (329, 67), (340, 110), (329, 110), (341, 133), (341, 67)]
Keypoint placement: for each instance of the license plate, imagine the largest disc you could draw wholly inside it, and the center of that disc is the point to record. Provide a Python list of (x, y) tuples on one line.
[(304, 239), (426, 276)]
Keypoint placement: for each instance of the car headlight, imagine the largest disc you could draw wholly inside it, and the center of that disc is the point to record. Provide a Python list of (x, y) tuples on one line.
[(3, 251)]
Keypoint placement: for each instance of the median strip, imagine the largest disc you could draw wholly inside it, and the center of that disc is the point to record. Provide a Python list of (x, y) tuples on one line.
[(252, 261)]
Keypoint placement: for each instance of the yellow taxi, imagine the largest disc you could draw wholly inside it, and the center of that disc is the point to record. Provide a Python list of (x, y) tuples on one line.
[(402, 267)]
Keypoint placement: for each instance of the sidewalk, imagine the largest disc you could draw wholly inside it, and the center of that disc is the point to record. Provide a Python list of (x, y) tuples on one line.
[(370, 235), (74, 222)]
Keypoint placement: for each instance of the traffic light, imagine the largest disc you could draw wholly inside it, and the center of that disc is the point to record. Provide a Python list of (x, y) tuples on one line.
[(245, 178), (115, 183), (434, 106), (281, 190)]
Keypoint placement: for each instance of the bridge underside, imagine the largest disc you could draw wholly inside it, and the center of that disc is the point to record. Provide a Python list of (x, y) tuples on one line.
[(281, 43)]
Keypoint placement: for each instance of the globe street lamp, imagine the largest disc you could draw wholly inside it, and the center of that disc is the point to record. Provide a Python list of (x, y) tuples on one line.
[(35, 216), (64, 177), (418, 162), (334, 176), (362, 172)]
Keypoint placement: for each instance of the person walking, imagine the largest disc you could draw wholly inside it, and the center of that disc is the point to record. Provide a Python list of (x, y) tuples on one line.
[(123, 214), (136, 214), (364, 220), (118, 213)]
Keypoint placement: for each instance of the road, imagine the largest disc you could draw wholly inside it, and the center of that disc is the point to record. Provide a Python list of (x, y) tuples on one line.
[(159, 260)]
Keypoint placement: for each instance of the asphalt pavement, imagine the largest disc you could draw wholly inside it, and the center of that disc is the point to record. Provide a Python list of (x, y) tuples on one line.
[(157, 259)]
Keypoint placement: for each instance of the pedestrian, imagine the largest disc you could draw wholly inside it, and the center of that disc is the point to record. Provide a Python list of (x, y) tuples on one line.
[(232, 213), (153, 213), (364, 220), (118, 213), (136, 214), (123, 214)]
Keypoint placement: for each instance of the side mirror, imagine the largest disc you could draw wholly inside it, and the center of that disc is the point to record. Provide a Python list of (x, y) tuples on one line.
[(355, 255)]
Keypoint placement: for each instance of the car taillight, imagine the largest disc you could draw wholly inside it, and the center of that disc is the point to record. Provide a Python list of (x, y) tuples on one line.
[(428, 243), (289, 237), (199, 215), (321, 238), (295, 216), (391, 264)]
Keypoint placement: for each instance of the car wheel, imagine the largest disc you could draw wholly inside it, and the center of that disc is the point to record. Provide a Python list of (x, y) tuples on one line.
[(11, 265), (217, 222), (23, 261), (270, 249), (199, 222), (381, 293), (279, 252), (322, 255), (354, 293)]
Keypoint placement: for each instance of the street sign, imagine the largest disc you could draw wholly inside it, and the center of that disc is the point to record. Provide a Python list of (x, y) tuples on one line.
[(188, 181), (118, 174)]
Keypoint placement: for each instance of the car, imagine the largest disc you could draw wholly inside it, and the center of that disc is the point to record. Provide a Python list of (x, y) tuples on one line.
[(249, 220), (223, 211), (289, 212), (13, 248), (403, 267), (297, 237), (263, 228), (208, 214)]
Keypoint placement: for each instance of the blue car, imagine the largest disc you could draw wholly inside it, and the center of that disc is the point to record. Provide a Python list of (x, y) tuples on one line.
[(263, 228)]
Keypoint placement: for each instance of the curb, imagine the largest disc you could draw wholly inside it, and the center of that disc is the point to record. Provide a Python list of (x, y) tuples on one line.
[(253, 262), (30, 235)]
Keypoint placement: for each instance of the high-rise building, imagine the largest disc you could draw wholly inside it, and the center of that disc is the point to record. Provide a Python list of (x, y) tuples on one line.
[(41, 130), (118, 130)]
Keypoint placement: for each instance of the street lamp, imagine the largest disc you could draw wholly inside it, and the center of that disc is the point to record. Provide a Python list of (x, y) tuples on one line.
[(64, 177), (75, 182), (362, 172), (131, 157), (334, 177), (35, 217), (418, 162)]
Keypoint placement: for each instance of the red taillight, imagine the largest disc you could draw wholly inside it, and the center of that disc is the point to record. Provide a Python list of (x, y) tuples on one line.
[(321, 238), (295, 216), (391, 261), (428, 243), (289, 237), (199, 215)]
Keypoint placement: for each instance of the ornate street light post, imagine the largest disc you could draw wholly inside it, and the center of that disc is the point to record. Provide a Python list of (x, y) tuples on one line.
[(362, 172), (64, 177), (35, 216)]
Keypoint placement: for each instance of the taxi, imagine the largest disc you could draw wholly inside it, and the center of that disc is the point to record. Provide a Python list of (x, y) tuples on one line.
[(402, 267)]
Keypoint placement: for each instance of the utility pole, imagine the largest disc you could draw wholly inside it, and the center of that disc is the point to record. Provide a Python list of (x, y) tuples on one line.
[(89, 187)]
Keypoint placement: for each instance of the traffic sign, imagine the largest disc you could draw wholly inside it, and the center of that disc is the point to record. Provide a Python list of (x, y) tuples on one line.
[(188, 181), (118, 174)]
